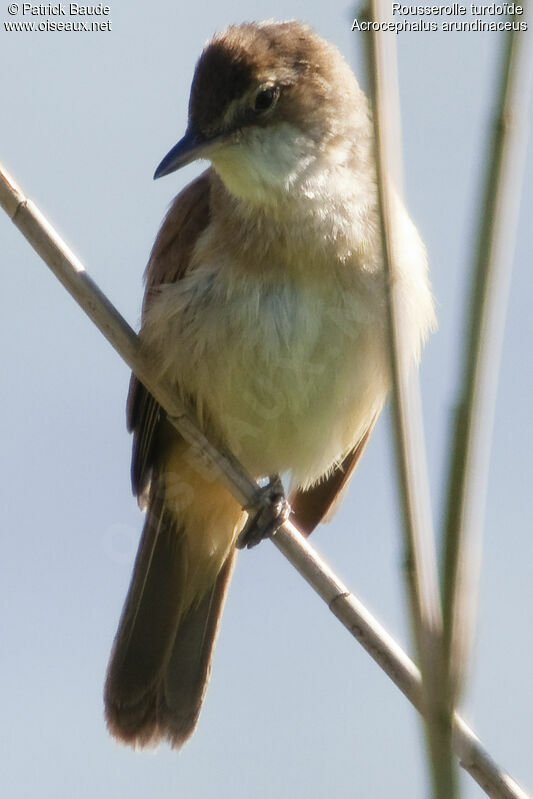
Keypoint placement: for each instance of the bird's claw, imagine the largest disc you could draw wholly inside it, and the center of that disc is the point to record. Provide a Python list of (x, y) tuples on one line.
[(267, 514)]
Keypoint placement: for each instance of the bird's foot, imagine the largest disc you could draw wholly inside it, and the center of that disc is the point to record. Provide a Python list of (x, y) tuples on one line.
[(267, 514)]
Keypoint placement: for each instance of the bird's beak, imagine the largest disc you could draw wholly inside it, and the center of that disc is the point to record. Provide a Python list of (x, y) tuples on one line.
[(194, 145)]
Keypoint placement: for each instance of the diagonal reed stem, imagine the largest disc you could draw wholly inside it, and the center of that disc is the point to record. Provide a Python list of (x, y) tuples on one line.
[(343, 604)]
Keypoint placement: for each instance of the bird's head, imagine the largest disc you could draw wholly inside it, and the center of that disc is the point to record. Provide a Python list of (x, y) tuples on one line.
[(270, 103)]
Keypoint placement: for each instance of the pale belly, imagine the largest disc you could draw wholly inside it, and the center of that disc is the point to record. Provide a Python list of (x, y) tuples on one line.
[(290, 376)]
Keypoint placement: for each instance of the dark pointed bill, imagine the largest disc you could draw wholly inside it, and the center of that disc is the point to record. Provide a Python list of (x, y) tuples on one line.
[(188, 149)]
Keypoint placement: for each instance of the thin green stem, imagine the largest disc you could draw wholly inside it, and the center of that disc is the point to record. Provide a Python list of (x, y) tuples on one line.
[(421, 574), (469, 457)]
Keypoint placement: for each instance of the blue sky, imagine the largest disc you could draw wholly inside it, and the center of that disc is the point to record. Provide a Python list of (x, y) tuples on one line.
[(295, 707)]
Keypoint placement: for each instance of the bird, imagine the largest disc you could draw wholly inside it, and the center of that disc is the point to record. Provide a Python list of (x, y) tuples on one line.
[(265, 309)]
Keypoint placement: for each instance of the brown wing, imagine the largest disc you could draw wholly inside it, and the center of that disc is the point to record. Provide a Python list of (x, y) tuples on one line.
[(310, 507), (169, 260)]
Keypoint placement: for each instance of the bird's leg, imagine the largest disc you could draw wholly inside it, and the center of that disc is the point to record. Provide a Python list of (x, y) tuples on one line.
[(266, 514)]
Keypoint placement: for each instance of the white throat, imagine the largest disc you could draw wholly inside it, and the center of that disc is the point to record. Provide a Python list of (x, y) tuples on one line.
[(266, 166)]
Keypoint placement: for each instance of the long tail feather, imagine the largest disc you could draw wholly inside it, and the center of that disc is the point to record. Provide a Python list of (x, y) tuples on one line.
[(160, 663)]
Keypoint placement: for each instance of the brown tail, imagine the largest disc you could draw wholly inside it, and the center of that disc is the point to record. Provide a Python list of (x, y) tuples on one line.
[(160, 663)]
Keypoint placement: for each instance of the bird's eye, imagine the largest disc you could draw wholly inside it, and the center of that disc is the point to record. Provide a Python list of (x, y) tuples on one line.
[(265, 99)]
